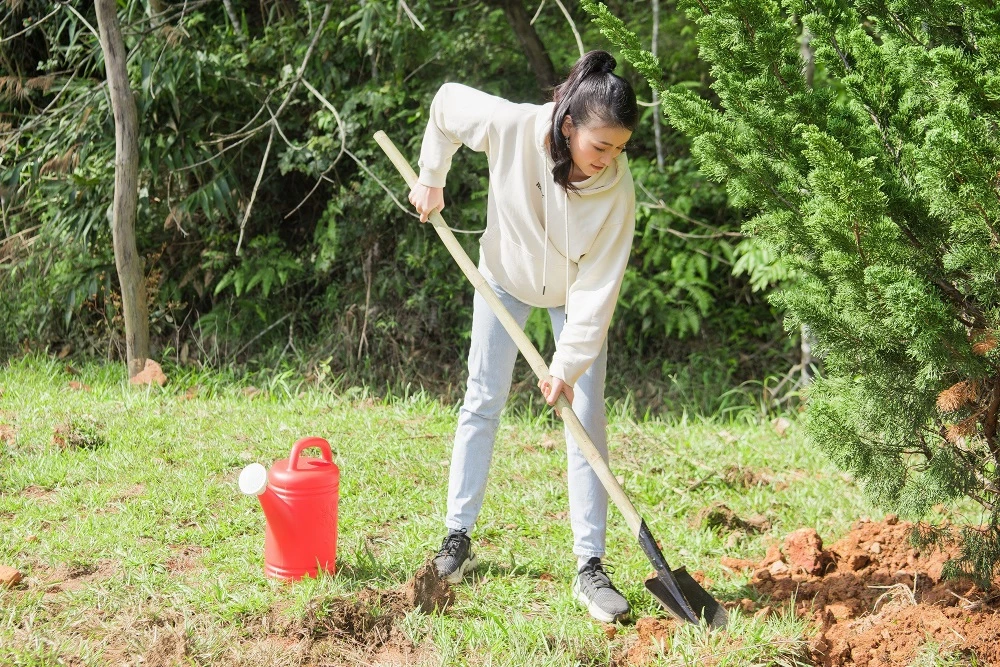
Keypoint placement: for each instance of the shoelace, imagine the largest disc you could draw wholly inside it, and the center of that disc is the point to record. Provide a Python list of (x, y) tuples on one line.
[(599, 574), (453, 542)]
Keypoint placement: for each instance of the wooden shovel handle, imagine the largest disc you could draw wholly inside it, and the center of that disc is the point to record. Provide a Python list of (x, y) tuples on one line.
[(522, 341)]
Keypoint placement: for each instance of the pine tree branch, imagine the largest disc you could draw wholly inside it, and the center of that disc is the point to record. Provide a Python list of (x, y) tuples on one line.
[(777, 74), (905, 30), (857, 239), (987, 505), (989, 225), (779, 197), (925, 449), (843, 58), (965, 308)]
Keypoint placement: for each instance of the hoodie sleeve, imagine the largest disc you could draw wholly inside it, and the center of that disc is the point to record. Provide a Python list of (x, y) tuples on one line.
[(459, 115), (594, 294)]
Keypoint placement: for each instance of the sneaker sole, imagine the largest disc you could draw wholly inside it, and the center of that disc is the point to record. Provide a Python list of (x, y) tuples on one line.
[(592, 608), (467, 566)]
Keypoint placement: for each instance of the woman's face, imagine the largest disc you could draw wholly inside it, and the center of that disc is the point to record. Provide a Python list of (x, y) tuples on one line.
[(593, 148)]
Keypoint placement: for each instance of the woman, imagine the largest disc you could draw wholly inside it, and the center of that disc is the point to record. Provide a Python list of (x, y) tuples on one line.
[(559, 224)]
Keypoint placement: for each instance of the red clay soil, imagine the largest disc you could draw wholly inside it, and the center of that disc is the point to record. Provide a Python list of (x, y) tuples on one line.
[(874, 598)]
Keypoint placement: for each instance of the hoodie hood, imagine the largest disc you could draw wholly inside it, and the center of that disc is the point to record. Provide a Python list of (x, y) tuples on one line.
[(603, 180)]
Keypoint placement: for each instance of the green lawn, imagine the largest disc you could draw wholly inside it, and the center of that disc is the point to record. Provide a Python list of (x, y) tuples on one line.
[(135, 542)]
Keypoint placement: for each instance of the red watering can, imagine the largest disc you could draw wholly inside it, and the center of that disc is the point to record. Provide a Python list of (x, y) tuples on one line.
[(299, 496)]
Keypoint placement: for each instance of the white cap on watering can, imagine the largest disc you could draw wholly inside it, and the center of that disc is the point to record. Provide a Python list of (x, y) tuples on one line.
[(253, 479)]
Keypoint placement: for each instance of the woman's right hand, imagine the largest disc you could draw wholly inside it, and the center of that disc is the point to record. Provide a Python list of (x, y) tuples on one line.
[(426, 200)]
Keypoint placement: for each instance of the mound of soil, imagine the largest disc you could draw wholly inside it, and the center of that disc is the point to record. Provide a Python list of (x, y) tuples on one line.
[(427, 592), (361, 628), (874, 598)]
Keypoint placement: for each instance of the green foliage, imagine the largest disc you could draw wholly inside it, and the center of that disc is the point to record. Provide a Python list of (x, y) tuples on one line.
[(266, 265), (350, 277), (675, 276), (874, 178), (761, 263)]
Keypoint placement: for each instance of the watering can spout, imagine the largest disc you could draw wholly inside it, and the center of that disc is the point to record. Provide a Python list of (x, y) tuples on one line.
[(253, 482)]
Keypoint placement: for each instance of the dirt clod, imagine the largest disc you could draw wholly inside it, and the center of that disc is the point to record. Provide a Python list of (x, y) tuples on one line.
[(427, 592), (150, 374), (804, 551), (737, 564), (652, 637), (9, 577), (781, 426)]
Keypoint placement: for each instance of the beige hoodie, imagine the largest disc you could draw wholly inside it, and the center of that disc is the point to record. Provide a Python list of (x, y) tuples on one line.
[(532, 224)]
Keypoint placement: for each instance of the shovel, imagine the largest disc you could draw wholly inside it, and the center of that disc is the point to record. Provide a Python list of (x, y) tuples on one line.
[(676, 590)]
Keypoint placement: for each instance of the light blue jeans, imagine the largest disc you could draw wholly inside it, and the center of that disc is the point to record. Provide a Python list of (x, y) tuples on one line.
[(491, 365)]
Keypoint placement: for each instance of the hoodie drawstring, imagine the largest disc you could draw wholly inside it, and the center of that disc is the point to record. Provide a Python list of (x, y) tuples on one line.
[(545, 242), (545, 236), (566, 221)]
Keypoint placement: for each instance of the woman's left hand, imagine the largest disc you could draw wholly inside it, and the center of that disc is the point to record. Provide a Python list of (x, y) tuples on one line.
[(551, 388)]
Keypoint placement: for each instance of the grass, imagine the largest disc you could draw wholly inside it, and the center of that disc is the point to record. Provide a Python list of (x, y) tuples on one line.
[(135, 541)]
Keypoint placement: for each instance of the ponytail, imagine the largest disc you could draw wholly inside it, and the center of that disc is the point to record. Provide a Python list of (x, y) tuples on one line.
[(592, 94)]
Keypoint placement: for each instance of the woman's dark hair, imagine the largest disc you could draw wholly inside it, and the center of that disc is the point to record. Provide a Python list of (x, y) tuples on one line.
[(592, 95)]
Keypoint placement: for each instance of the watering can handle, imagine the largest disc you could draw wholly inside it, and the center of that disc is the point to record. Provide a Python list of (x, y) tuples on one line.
[(306, 443)]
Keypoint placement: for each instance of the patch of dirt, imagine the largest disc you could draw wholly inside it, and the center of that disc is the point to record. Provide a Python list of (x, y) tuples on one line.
[(168, 648), (739, 477), (652, 637), (150, 374), (874, 598), (361, 628), (37, 492), (78, 577), (719, 517), (7, 434), (80, 432), (185, 558)]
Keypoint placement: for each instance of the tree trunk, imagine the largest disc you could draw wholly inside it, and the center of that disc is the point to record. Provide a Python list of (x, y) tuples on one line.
[(127, 260), (808, 56), (657, 110), (531, 43)]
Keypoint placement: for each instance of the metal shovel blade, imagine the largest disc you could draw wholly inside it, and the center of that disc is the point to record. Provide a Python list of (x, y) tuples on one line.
[(679, 594), (700, 601)]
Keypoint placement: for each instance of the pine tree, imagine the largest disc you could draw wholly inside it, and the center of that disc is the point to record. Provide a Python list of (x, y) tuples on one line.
[(879, 180)]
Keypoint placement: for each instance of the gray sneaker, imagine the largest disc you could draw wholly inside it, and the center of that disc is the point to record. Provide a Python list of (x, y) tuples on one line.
[(455, 557), (594, 589)]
